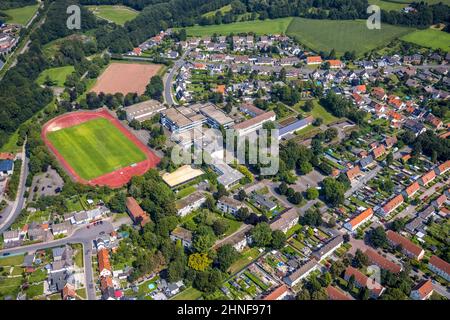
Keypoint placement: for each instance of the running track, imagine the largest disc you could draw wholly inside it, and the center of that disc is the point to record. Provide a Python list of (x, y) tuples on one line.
[(115, 179)]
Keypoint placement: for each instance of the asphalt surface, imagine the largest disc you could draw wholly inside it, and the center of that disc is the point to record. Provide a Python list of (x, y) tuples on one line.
[(10, 214), (169, 79)]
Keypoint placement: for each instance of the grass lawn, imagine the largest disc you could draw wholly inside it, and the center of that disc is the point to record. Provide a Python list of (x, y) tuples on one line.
[(246, 257), (21, 15), (430, 38), (388, 5), (57, 75), (257, 26), (188, 294), (10, 286), (35, 290), (223, 10), (82, 293), (95, 147), (116, 14), (12, 260), (319, 112), (79, 256), (38, 276), (185, 192), (343, 35)]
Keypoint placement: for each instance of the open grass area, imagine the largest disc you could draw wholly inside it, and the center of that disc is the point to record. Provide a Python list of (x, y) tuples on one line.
[(257, 26), (222, 10), (388, 5), (318, 112), (9, 286), (117, 14), (95, 147), (12, 260), (188, 294), (430, 38), (35, 290), (57, 75), (247, 257), (21, 15), (343, 35)]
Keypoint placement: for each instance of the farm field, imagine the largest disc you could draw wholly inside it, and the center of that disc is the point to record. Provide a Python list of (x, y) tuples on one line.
[(257, 26), (116, 14), (126, 77), (21, 15), (342, 35), (430, 38), (58, 75), (95, 148)]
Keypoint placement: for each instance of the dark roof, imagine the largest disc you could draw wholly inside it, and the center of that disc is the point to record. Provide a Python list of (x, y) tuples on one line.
[(296, 125), (6, 165)]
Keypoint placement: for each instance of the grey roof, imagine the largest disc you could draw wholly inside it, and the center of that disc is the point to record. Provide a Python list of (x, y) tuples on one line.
[(427, 212), (364, 162), (308, 266), (327, 248), (263, 201), (284, 219)]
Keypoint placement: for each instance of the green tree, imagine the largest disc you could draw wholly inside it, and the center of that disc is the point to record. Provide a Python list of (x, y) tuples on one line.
[(261, 235), (312, 193), (226, 256), (278, 239)]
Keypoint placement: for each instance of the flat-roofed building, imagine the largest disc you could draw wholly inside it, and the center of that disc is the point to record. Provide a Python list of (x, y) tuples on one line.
[(293, 127), (254, 124), (182, 175), (190, 203), (179, 120), (228, 177), (229, 205), (144, 110), (216, 117)]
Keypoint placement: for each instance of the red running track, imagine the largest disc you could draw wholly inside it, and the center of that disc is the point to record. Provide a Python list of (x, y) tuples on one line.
[(115, 179)]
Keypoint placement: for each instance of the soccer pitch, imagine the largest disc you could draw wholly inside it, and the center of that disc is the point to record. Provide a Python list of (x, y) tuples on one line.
[(95, 148)]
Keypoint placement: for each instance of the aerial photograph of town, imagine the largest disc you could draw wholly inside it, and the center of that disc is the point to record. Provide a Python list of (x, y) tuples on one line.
[(225, 150)]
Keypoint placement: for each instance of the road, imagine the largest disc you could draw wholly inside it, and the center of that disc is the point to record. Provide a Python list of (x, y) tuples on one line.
[(361, 182), (83, 235), (168, 79), (10, 214)]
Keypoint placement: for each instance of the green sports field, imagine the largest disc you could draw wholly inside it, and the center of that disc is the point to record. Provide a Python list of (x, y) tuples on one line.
[(58, 75), (260, 27), (343, 35), (95, 148), (116, 14), (21, 15), (430, 38)]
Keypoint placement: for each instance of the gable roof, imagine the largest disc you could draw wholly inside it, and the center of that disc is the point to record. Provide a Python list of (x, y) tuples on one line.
[(278, 292), (424, 288), (440, 264), (381, 261), (412, 188), (406, 244), (103, 260), (377, 289), (360, 217), (336, 294)]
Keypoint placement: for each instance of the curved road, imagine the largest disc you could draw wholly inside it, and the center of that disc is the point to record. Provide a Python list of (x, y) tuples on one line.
[(10, 214), (169, 79)]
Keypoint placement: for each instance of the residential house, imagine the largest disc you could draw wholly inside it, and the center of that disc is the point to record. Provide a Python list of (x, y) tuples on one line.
[(337, 294), (229, 205), (378, 151), (183, 235), (408, 248), (104, 265), (328, 249), (285, 220), (360, 219), (68, 292), (440, 201), (440, 267), (313, 60), (428, 177), (11, 236), (6, 167), (278, 294), (422, 291), (190, 203), (353, 173), (411, 190), (302, 272), (361, 281), (382, 262), (391, 205), (443, 168)]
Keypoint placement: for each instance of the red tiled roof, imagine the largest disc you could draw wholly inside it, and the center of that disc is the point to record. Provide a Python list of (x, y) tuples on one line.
[(440, 264), (381, 261), (393, 203), (412, 188), (314, 59), (278, 292), (424, 288), (378, 92), (361, 88), (406, 244), (379, 151), (428, 177), (6, 156), (335, 63), (336, 294), (445, 166), (353, 173), (362, 216), (136, 212), (105, 283), (441, 200), (363, 280), (103, 260)]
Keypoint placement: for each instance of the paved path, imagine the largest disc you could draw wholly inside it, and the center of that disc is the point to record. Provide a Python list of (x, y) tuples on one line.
[(168, 79)]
